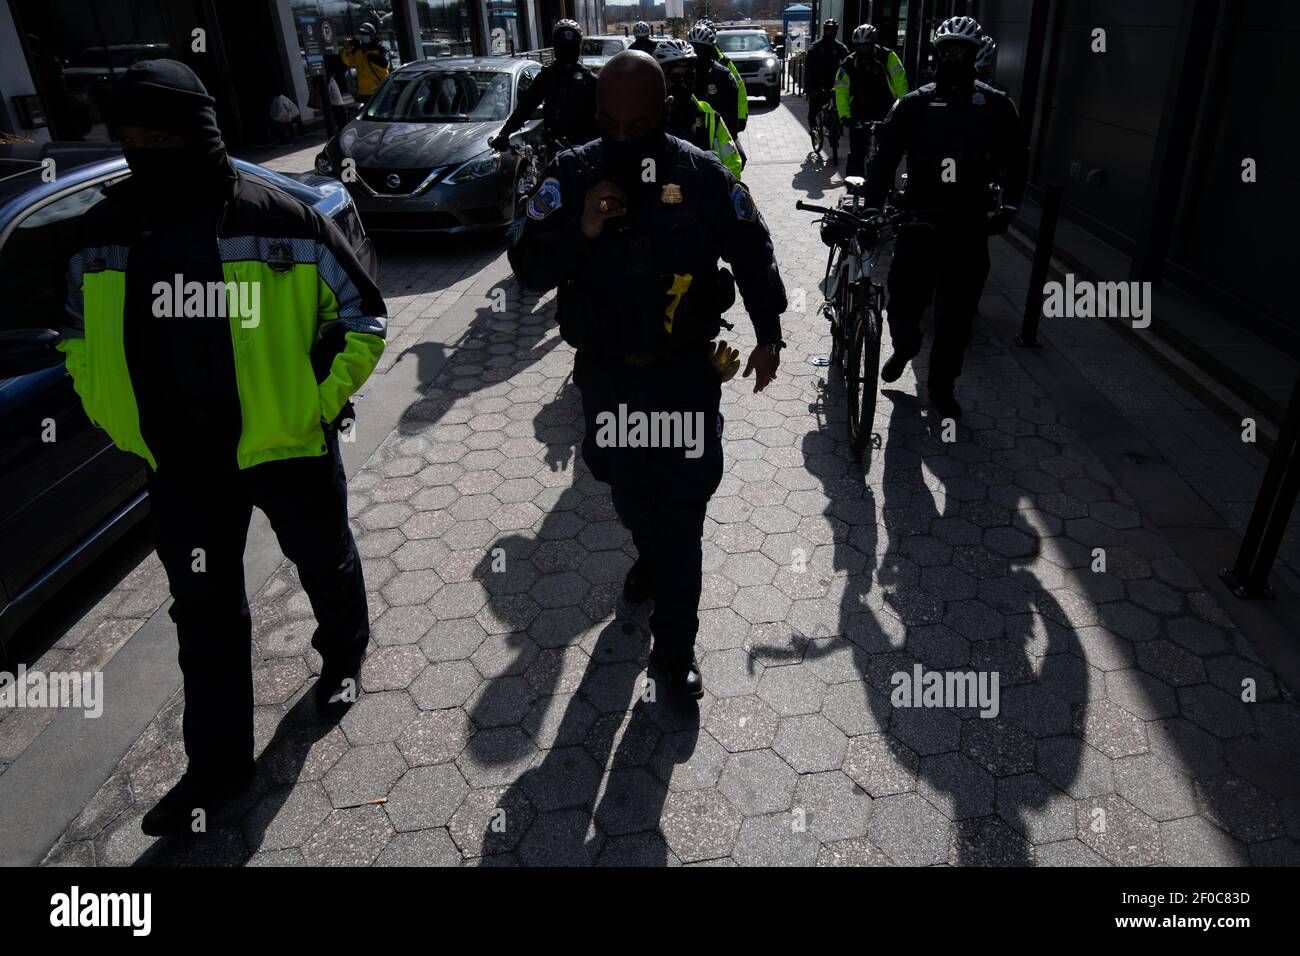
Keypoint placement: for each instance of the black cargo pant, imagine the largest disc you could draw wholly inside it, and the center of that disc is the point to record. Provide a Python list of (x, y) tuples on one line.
[(946, 263), (201, 520), (859, 149), (660, 494)]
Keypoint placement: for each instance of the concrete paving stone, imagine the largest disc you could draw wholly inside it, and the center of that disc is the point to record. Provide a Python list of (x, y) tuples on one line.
[(1068, 853), (1235, 675), (1266, 765), (1035, 808), (731, 673), (630, 800), (791, 690), (810, 743), (758, 782), (699, 825), (910, 830), (1116, 830), (998, 746), (556, 627), (452, 640), (566, 777), (689, 760), (856, 853), (988, 841), (561, 838), (496, 756), (775, 839), (425, 797), (743, 723), (1073, 766), (378, 718), (363, 774), (110, 801), (434, 737), (1275, 853), (637, 849), (1142, 695), (419, 848), (443, 685), (775, 645), (881, 765), (490, 821), (622, 740), (1221, 714), (1279, 723), (1239, 807), (351, 837), (1036, 710), (956, 785), (1186, 747)]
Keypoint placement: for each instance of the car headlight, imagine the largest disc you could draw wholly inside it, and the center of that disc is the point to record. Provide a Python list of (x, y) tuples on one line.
[(484, 164), (324, 165), (770, 62)]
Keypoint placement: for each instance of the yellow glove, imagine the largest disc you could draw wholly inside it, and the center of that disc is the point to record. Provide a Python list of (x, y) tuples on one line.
[(725, 359)]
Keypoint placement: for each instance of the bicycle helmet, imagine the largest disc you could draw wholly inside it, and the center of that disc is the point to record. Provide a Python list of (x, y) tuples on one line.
[(673, 51), (701, 32), (987, 54), (958, 30), (831, 22), (566, 31), (864, 34)]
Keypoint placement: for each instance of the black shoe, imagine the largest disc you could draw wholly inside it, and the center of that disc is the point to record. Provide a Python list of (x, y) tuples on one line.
[(338, 688), (893, 368), (636, 586), (174, 813), (946, 405), (681, 677)]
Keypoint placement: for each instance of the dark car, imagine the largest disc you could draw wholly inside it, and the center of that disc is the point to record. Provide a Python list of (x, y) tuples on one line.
[(66, 492), (417, 158)]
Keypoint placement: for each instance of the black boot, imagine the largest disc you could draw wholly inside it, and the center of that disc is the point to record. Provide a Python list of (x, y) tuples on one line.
[(174, 813), (339, 687), (893, 368), (946, 404), (680, 674), (636, 586)]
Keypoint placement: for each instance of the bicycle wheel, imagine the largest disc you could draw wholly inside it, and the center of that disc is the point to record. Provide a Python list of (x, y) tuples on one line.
[(818, 136), (864, 369), (834, 304)]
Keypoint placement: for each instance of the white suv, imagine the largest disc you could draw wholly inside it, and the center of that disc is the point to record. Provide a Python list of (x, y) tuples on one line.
[(754, 58)]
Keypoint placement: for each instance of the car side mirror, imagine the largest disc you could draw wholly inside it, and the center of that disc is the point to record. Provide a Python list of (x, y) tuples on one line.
[(23, 351)]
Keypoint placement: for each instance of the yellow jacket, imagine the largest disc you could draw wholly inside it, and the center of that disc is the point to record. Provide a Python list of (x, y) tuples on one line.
[(369, 73)]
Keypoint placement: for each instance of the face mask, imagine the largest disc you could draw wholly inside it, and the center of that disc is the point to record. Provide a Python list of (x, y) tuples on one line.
[(566, 52), (681, 94), (172, 171), (624, 160), (954, 75)]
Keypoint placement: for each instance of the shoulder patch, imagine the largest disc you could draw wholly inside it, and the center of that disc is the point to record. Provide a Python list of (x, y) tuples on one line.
[(743, 203), (546, 200)]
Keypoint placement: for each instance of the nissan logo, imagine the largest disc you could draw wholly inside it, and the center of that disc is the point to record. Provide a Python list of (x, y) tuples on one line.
[(393, 180)]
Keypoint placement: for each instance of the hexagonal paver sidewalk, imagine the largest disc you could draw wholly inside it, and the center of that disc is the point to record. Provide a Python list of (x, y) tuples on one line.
[(506, 718)]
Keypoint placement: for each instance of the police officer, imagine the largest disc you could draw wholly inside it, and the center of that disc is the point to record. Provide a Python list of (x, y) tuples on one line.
[(688, 118), (869, 80), (713, 83), (642, 42), (235, 407), (710, 51), (959, 136), (568, 90), (630, 230), (365, 55), (820, 67)]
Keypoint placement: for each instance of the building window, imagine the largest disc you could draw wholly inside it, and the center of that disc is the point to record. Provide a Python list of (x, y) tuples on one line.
[(444, 28)]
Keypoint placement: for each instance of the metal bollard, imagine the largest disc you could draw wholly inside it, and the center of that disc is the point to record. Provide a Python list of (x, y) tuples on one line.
[(1028, 337), (1248, 578)]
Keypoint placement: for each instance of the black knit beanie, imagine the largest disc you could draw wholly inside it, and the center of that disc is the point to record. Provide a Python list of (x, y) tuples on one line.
[(165, 95)]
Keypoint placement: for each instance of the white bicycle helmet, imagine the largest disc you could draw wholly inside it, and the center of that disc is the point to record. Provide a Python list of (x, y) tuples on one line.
[(702, 33), (865, 33), (642, 29), (566, 30), (958, 30), (987, 54), (672, 51)]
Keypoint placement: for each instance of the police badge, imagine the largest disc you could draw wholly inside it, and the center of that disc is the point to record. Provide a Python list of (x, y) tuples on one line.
[(671, 194), (279, 257), (546, 200)]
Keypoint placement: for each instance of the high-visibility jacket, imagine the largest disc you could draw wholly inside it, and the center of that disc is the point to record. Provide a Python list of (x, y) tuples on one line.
[(315, 338), (371, 64), (709, 132), (742, 104), (865, 88)]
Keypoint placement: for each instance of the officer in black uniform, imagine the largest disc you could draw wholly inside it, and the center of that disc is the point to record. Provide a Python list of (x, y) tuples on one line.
[(630, 229), (959, 135), (566, 88), (713, 82), (823, 60)]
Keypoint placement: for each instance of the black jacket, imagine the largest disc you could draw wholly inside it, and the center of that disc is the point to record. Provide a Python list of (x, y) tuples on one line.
[(644, 45), (821, 64), (614, 296), (716, 86), (980, 130), (569, 97)]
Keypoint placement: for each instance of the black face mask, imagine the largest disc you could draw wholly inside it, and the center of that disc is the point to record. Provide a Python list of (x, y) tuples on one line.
[(954, 75), (171, 173), (566, 53), (624, 161), (681, 93)]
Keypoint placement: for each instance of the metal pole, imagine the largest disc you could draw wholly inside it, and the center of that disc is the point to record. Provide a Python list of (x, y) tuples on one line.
[(322, 84), (1028, 337), (1248, 578)]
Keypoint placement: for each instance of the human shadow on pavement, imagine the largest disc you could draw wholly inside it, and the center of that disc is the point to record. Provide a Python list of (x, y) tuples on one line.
[(570, 706), (935, 596)]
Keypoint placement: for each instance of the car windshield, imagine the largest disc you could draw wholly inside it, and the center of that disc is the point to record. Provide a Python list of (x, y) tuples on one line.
[(442, 96), (742, 42), (594, 46)]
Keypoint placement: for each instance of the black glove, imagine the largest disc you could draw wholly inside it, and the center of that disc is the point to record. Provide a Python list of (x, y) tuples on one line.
[(500, 142), (1000, 220)]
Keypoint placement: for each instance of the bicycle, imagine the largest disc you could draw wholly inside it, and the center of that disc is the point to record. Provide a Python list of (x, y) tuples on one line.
[(827, 127), (854, 301)]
